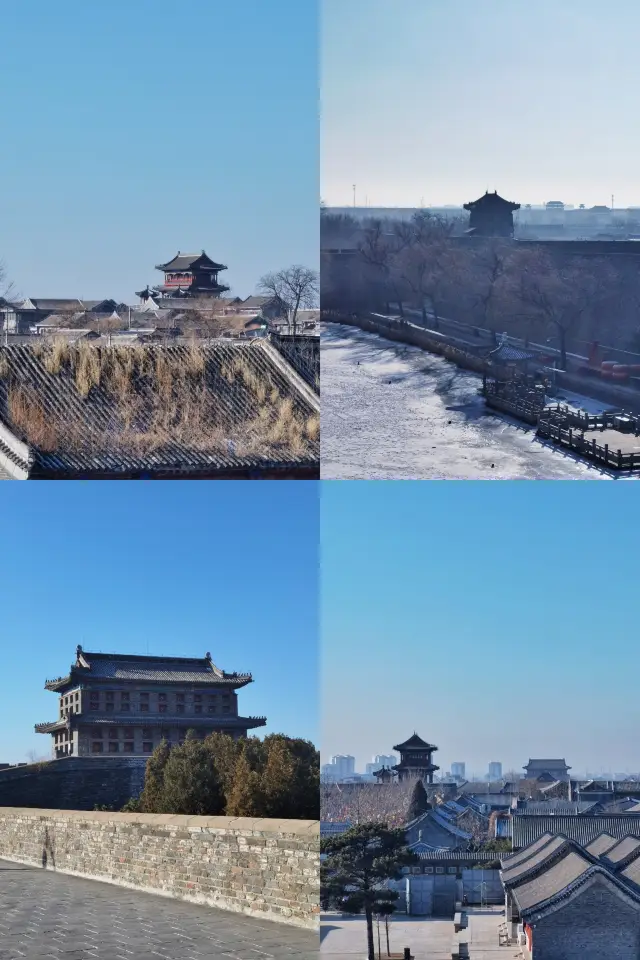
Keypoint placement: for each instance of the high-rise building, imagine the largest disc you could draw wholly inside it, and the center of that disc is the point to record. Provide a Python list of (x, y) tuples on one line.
[(458, 770), (379, 761), (343, 765), (495, 771)]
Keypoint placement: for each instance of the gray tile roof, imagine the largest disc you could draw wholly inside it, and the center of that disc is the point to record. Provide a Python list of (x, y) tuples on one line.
[(182, 261), (601, 844), (160, 669), (582, 829), (551, 882), (538, 858), (303, 353), (555, 806), (631, 873), (120, 666), (95, 410), (626, 849), (510, 859)]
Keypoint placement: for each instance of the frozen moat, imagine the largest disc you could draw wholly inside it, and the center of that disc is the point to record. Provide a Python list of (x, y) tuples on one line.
[(394, 412)]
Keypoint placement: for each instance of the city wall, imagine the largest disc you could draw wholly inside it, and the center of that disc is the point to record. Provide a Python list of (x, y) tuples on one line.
[(264, 868), (73, 783)]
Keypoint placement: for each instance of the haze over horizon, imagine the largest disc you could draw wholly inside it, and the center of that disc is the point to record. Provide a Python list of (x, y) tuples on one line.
[(494, 620), (430, 104)]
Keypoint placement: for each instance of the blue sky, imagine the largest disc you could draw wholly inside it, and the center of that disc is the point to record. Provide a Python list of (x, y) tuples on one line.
[(136, 128), (430, 101), (164, 568), (498, 620)]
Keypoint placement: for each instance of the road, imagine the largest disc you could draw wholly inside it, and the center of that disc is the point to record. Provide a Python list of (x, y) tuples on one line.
[(44, 914), (392, 412)]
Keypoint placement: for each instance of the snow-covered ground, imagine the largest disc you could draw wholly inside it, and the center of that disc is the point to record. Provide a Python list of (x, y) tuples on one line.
[(394, 412)]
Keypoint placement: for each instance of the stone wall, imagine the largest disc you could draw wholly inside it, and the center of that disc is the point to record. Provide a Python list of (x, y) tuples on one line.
[(264, 868), (599, 924), (73, 783)]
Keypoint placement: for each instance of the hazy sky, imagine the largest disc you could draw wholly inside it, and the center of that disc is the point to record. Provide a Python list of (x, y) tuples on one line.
[(165, 568), (495, 619), (438, 101), (132, 129)]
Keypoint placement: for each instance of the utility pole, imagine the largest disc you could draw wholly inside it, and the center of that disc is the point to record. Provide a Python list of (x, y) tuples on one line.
[(354, 194)]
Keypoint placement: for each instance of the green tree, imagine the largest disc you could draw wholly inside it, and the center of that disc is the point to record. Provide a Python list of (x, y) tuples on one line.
[(291, 778), (224, 751), (245, 798), (419, 802), (358, 865), (151, 798), (192, 782)]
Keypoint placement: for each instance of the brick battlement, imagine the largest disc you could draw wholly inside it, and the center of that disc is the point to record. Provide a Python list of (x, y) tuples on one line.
[(258, 867)]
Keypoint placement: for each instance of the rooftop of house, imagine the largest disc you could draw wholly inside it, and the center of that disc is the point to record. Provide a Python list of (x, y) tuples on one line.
[(582, 829), (555, 806), (187, 261), (85, 411), (601, 844), (415, 743), (131, 667), (555, 869), (490, 200), (546, 765)]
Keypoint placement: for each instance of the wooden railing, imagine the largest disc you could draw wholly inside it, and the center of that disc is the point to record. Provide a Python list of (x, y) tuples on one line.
[(602, 453)]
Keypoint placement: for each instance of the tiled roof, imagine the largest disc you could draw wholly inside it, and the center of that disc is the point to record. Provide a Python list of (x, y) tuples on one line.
[(91, 410), (626, 849), (160, 669), (508, 353), (601, 844), (545, 765), (182, 261), (303, 353), (485, 788), (551, 882), (510, 860), (119, 666), (538, 858), (582, 829), (415, 743), (555, 806)]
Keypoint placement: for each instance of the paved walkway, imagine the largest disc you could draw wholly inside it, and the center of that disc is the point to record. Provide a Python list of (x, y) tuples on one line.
[(50, 915), (345, 938)]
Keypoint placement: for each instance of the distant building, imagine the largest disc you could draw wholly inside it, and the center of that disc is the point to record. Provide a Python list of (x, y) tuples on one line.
[(491, 216), (458, 770), (380, 760), (187, 275), (339, 767), (495, 771), (547, 770), (415, 761), (118, 704)]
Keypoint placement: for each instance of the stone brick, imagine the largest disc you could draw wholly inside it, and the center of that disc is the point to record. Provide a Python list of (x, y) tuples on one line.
[(208, 864)]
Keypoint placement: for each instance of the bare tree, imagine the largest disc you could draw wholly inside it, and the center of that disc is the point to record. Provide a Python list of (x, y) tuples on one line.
[(427, 260), (380, 248), (297, 287), (208, 315), (561, 293), (366, 802)]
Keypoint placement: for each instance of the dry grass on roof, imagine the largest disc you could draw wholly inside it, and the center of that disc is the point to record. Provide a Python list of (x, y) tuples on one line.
[(140, 398)]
